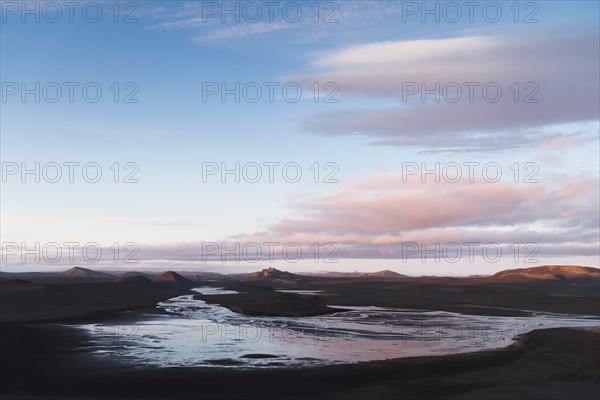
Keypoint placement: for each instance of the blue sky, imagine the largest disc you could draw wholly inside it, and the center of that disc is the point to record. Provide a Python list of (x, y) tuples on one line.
[(369, 133)]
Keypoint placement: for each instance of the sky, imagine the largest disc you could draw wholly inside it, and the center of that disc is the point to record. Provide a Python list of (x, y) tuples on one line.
[(428, 138)]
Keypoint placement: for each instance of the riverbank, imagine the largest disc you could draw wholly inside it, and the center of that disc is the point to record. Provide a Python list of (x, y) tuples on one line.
[(545, 364)]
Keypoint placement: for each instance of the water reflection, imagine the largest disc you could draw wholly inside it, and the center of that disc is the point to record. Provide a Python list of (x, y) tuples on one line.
[(194, 333)]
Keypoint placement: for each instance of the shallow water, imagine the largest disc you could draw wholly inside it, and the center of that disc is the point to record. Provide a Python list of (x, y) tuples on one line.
[(195, 333), (302, 292)]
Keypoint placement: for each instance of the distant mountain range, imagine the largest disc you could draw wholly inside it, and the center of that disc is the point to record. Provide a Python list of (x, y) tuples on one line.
[(78, 272), (272, 275), (172, 278), (548, 272), (135, 280), (386, 273)]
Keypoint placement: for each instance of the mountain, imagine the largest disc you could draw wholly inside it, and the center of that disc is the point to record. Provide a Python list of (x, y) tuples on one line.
[(202, 275), (28, 275), (274, 276), (135, 280), (172, 277), (386, 273), (78, 272), (549, 272), (18, 285), (135, 273), (18, 282)]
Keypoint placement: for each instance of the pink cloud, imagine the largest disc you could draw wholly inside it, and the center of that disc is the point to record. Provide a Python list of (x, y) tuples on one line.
[(559, 73)]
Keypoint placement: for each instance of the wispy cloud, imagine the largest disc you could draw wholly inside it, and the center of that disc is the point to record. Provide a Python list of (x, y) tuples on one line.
[(311, 22), (545, 81), (240, 31)]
